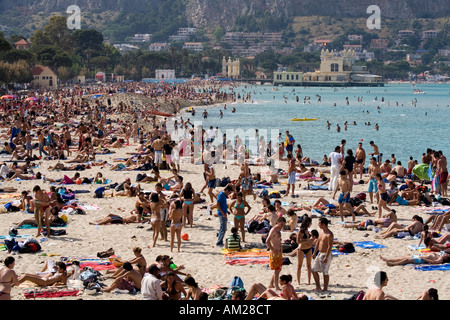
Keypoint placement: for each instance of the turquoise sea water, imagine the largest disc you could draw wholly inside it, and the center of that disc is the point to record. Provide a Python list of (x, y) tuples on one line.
[(404, 130)]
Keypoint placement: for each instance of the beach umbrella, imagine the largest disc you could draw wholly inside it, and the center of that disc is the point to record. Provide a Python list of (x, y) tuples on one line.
[(423, 172), (32, 99), (7, 97), (96, 96)]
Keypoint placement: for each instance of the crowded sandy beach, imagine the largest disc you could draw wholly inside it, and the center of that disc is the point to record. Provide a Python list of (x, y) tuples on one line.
[(113, 192)]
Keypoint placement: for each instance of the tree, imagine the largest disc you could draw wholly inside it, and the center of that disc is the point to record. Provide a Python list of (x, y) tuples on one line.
[(100, 62), (219, 33), (58, 33), (4, 44), (16, 55)]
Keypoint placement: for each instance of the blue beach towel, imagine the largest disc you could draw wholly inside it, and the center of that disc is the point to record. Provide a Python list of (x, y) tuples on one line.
[(368, 245), (435, 267), (313, 187)]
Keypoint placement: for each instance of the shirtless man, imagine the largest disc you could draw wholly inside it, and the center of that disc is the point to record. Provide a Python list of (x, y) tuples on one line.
[(322, 255), (376, 293), (441, 170), (360, 156), (411, 165), (8, 278), (426, 158), (130, 280), (210, 174), (157, 146), (291, 174), (373, 169), (376, 152), (344, 185), (401, 171), (273, 243)]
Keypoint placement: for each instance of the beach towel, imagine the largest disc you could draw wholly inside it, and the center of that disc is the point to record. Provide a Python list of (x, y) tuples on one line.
[(313, 187), (51, 294), (246, 256), (434, 267), (97, 265), (10, 195), (368, 245), (89, 207)]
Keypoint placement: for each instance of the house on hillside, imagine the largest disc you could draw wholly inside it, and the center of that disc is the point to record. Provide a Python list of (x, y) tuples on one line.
[(22, 44), (44, 78)]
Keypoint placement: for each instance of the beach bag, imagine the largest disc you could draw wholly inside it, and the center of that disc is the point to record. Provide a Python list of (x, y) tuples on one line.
[(347, 248), (88, 276), (99, 192), (218, 294), (361, 196), (274, 195), (224, 182), (252, 226), (355, 201), (264, 193), (139, 177), (357, 296)]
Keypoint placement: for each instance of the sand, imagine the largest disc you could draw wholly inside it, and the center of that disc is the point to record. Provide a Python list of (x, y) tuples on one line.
[(201, 258)]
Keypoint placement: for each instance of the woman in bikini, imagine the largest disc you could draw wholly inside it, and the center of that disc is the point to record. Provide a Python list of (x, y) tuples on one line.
[(384, 196), (59, 278), (176, 223), (287, 291), (305, 248), (138, 260), (194, 290), (172, 288), (155, 218), (116, 219), (8, 278), (42, 204), (187, 196), (396, 229), (238, 208)]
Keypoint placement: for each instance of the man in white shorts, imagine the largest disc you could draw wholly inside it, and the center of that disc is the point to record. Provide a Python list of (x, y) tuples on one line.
[(157, 146), (322, 255), (335, 159)]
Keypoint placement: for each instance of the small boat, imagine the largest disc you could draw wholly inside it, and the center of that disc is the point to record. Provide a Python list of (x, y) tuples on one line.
[(417, 91), (304, 119), (275, 89), (189, 109)]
